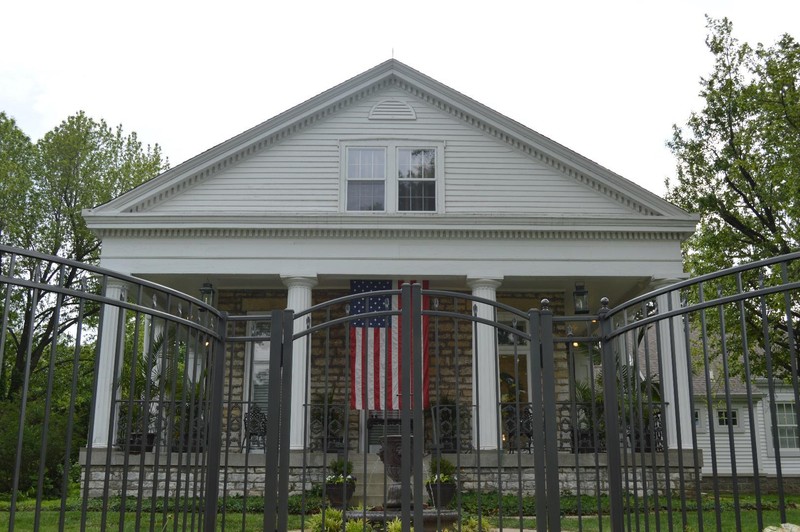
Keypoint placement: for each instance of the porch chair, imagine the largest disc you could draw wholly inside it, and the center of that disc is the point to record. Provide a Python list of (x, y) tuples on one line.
[(519, 427), (255, 427)]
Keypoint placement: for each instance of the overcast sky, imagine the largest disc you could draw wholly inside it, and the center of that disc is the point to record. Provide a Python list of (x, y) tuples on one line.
[(606, 79)]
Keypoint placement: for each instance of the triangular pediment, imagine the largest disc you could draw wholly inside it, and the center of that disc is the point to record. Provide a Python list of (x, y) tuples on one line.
[(496, 167)]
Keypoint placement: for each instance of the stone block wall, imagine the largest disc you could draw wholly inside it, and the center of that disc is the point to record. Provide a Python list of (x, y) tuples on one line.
[(510, 472)]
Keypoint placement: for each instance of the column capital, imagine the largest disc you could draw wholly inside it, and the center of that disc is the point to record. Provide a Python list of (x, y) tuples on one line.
[(660, 282), (299, 281), (491, 283), (116, 288)]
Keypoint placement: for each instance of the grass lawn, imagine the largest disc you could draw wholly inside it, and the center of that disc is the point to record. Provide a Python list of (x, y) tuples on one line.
[(239, 518), (49, 521)]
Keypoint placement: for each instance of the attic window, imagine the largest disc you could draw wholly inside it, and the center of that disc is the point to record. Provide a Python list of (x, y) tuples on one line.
[(392, 176), (392, 110)]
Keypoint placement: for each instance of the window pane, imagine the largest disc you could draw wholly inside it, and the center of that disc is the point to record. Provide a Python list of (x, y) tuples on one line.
[(365, 195), (788, 437), (723, 419), (366, 163), (416, 196), (416, 163)]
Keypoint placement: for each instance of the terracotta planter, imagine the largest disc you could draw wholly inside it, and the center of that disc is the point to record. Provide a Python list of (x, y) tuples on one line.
[(339, 495), (442, 493)]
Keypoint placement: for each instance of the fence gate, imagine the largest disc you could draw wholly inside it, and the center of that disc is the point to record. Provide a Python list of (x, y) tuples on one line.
[(401, 384)]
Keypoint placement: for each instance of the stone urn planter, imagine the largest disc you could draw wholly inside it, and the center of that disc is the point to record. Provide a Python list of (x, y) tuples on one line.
[(391, 456)]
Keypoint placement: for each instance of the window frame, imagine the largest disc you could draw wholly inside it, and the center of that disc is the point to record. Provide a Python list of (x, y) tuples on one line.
[(770, 435), (700, 424), (517, 354), (779, 426), (732, 420), (392, 149)]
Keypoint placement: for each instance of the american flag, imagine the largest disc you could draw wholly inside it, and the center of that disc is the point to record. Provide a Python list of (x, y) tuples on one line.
[(375, 348)]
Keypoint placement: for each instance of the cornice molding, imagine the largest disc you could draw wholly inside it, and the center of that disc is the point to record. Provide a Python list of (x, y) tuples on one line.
[(395, 233)]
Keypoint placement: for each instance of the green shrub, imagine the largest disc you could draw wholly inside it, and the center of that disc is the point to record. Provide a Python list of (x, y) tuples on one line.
[(395, 525), (474, 524), (331, 520), (52, 481), (357, 525)]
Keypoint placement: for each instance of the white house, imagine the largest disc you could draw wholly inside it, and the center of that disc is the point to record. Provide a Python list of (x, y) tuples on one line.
[(749, 427), (392, 175)]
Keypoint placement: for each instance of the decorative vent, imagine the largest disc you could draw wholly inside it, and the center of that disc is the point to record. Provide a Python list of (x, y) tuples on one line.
[(392, 110)]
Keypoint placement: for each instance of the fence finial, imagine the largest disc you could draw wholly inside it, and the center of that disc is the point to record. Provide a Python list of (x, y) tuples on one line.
[(604, 303), (545, 304)]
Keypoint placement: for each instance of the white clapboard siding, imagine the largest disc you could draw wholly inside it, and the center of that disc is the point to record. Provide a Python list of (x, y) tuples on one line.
[(302, 172), (741, 454)]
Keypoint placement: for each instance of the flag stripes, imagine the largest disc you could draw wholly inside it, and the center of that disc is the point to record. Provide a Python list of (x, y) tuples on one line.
[(375, 348)]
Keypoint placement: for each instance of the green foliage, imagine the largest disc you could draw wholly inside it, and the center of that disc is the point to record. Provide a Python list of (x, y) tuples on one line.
[(441, 470), (474, 524), (395, 525), (62, 414), (32, 445), (43, 190), (738, 167), (639, 400), (329, 520), (78, 165), (16, 159), (489, 503), (358, 525), (739, 157)]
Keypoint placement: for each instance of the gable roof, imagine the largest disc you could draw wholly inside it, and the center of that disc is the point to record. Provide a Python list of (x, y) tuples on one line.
[(637, 200)]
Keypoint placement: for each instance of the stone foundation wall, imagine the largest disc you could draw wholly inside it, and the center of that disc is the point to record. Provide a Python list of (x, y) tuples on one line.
[(747, 484), (245, 474)]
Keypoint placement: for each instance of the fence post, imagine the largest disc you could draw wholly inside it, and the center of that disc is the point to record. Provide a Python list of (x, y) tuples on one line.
[(534, 317), (287, 364), (550, 422), (272, 439), (613, 454), (214, 428)]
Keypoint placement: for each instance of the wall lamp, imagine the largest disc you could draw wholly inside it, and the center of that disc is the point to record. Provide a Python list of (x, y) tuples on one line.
[(207, 293), (580, 299)]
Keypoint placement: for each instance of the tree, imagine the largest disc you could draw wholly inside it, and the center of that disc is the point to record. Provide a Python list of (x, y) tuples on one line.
[(79, 164), (738, 166), (16, 158), (738, 160)]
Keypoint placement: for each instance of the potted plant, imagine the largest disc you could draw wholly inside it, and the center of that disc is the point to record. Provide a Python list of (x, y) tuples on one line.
[(189, 426), (588, 434), (340, 484), (442, 481), (139, 409), (638, 396)]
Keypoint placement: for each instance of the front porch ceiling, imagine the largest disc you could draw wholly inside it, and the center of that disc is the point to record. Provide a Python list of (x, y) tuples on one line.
[(616, 289)]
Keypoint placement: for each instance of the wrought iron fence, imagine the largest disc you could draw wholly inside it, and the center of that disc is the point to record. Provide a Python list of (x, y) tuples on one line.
[(675, 410), (105, 382)]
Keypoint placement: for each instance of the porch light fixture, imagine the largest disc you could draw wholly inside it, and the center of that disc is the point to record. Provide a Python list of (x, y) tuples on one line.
[(207, 293), (580, 299)]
